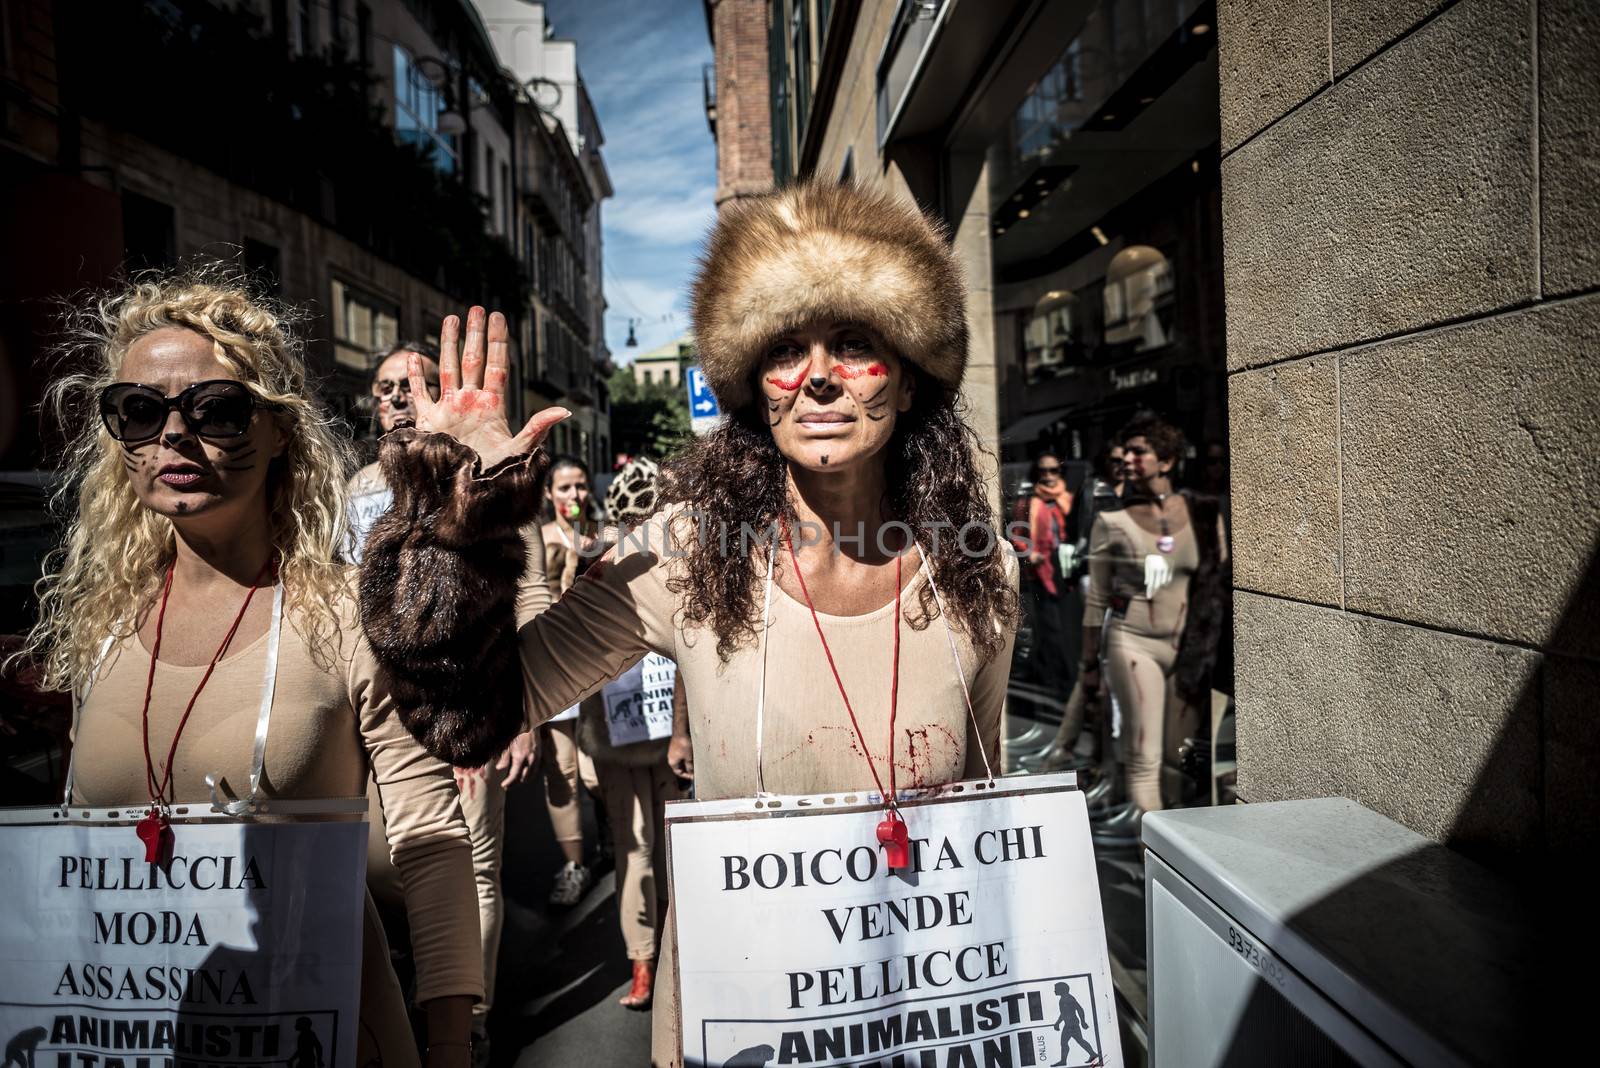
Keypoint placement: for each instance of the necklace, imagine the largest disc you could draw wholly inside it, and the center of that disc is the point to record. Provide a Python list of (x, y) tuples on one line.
[(1166, 542), (891, 833), (155, 829)]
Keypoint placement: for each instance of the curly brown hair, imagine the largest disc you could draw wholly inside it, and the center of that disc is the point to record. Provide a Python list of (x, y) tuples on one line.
[(735, 477), (1165, 439)]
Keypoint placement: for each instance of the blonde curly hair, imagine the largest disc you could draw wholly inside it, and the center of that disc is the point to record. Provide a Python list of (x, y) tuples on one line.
[(116, 551)]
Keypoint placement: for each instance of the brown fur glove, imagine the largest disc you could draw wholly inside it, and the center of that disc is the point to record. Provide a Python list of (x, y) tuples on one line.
[(438, 591)]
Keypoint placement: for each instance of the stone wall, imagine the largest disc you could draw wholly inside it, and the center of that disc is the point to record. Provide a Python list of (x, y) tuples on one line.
[(1413, 309)]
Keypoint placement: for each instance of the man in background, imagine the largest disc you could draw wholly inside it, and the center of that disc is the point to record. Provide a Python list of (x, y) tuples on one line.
[(483, 799)]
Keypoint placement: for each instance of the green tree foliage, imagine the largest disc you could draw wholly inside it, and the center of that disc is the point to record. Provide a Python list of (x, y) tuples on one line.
[(648, 418)]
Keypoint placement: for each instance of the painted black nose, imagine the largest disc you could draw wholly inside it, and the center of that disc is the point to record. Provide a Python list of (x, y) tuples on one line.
[(818, 381)]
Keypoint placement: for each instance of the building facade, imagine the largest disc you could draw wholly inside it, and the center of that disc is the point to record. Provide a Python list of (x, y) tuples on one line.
[(362, 171), (664, 365), (561, 183), (1350, 250)]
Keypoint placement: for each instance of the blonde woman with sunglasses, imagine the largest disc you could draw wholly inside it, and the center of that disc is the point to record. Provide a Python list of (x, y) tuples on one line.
[(205, 508)]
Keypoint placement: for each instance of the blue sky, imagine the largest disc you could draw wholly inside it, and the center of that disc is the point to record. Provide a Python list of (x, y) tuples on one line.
[(641, 60)]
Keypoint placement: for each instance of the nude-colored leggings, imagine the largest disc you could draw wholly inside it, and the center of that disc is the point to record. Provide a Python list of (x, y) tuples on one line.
[(564, 763), (636, 800), (1155, 720), (484, 809)]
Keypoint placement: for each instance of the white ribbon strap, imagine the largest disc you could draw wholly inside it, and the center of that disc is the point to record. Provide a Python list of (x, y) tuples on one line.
[(956, 656), (258, 757), (761, 692)]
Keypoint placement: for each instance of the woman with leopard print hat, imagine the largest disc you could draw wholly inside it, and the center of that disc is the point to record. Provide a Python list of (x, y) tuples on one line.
[(625, 729), (831, 322)]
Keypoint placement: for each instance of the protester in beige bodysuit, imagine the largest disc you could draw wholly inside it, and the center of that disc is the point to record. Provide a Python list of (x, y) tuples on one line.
[(570, 546), (482, 789), (831, 324), (1143, 562), (635, 780), (206, 485)]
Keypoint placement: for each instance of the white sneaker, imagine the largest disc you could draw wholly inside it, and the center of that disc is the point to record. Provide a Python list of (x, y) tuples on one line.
[(571, 882)]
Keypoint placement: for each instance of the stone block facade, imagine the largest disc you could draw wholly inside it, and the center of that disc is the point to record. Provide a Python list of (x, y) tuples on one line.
[(1414, 352)]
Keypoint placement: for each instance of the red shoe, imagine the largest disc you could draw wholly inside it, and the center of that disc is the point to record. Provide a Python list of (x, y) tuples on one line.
[(644, 981)]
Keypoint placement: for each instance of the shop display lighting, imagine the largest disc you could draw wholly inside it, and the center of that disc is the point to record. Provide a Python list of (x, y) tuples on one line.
[(1030, 191)]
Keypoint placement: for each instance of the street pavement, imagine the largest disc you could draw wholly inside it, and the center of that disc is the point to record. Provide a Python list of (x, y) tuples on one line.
[(561, 970)]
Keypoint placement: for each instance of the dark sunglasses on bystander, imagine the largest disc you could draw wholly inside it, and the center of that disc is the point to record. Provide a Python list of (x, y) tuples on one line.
[(218, 408)]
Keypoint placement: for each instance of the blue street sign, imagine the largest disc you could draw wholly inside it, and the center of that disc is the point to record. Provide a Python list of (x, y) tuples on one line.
[(704, 412), (702, 402)]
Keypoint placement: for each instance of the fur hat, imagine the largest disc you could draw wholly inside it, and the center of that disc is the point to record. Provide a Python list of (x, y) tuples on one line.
[(820, 250)]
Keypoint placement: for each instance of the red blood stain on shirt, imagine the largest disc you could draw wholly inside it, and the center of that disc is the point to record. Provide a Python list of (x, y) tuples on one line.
[(919, 759)]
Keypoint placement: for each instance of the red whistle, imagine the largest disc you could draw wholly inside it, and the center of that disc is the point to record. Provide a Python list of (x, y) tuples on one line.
[(896, 842), (156, 835)]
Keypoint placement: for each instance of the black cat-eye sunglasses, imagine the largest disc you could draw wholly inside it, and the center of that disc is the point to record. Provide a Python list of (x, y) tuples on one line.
[(218, 408)]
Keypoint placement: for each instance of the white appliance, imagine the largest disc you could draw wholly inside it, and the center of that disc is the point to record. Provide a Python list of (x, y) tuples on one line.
[(1318, 932)]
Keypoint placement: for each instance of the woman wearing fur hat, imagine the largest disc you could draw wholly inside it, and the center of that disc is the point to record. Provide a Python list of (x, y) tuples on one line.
[(872, 588)]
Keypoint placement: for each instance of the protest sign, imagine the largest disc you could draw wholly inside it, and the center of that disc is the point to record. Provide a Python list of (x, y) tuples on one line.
[(365, 510), (639, 701), (796, 946), (244, 950)]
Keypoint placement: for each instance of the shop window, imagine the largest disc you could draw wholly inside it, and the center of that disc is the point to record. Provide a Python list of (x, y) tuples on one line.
[(778, 78), (908, 35), (265, 264), (149, 233), (800, 40), (418, 105), (362, 325), (1138, 291)]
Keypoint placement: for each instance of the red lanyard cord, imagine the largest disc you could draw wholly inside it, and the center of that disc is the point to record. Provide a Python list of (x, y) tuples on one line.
[(158, 792), (894, 676)]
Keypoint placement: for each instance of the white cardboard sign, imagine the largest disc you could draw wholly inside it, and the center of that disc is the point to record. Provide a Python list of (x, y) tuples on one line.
[(639, 701), (246, 950), (365, 510), (797, 947)]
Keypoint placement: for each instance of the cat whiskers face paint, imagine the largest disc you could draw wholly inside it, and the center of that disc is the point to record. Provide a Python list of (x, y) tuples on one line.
[(877, 405)]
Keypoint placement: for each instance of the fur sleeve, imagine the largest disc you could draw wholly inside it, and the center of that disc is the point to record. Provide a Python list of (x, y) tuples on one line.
[(438, 592)]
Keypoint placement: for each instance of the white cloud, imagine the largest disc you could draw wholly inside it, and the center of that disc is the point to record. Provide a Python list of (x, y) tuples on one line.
[(671, 219)]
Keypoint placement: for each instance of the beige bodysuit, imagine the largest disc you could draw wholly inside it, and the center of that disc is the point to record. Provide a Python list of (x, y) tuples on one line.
[(622, 608), (329, 726)]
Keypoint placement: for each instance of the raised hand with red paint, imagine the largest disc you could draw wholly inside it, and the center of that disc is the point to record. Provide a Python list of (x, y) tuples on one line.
[(472, 405)]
